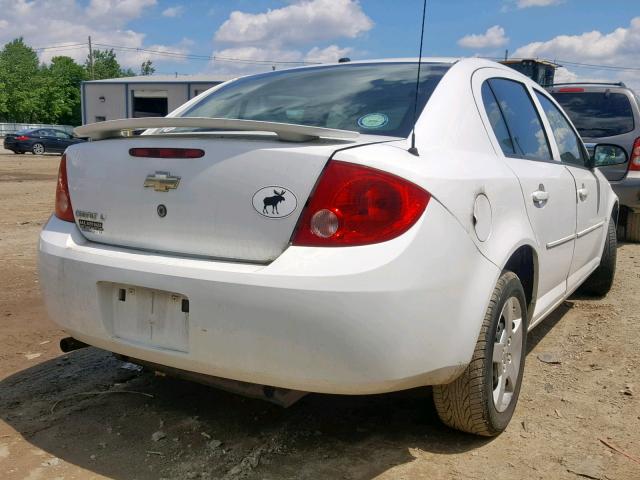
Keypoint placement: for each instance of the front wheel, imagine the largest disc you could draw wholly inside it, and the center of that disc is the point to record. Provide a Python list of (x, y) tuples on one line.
[(37, 149), (482, 400)]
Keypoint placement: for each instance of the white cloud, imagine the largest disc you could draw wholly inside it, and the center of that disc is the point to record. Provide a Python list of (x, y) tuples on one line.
[(330, 54), (45, 23), (537, 3), (299, 23), (115, 11), (510, 5), (173, 12), (285, 34), (619, 48), (492, 38), (564, 75)]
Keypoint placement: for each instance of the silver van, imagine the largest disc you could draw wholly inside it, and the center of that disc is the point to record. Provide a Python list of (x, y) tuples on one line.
[(610, 113)]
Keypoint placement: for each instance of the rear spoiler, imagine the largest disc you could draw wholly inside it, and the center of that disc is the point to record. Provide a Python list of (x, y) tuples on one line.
[(285, 131)]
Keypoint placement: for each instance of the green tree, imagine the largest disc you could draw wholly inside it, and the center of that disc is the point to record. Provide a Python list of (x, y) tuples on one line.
[(105, 65), (147, 68), (65, 75), (19, 74), (3, 100)]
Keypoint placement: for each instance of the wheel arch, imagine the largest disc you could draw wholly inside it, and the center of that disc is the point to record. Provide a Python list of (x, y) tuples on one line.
[(523, 261)]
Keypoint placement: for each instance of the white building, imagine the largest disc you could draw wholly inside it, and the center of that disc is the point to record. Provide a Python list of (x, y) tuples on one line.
[(143, 96)]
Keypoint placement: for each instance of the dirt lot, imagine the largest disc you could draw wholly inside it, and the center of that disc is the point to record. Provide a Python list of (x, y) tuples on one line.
[(72, 416)]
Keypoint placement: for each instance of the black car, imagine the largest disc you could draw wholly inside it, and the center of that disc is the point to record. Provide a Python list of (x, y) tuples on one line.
[(39, 141)]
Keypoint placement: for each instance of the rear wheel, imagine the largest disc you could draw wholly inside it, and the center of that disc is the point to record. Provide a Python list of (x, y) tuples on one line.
[(633, 227), (37, 149), (600, 281), (482, 400)]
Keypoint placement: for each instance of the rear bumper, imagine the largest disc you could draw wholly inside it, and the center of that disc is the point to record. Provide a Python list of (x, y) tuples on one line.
[(628, 190), (354, 320)]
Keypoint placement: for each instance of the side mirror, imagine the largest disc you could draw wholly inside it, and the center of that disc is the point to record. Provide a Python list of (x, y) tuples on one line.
[(605, 154)]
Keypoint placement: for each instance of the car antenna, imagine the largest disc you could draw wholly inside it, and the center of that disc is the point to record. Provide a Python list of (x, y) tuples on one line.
[(413, 150)]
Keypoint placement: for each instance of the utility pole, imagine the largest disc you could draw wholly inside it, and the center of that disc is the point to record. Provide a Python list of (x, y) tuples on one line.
[(93, 75)]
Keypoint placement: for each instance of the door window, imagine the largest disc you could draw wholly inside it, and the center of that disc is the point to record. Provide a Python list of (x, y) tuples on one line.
[(570, 146), (528, 137), (61, 135)]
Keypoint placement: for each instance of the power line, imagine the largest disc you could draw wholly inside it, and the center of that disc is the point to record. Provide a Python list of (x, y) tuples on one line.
[(573, 64), (599, 67), (217, 58), (193, 56), (57, 47)]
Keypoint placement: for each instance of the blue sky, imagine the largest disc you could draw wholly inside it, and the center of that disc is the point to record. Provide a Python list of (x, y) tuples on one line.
[(576, 31)]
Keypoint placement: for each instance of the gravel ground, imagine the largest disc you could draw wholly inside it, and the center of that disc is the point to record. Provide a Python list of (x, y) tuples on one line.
[(74, 416)]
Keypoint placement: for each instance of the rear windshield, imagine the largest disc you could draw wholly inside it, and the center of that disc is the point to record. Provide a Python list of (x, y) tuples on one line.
[(368, 98), (598, 114)]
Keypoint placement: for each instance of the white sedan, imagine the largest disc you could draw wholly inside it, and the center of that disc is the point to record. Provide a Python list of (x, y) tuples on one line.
[(280, 232)]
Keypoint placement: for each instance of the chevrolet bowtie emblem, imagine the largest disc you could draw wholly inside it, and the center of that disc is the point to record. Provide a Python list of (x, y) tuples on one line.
[(161, 181)]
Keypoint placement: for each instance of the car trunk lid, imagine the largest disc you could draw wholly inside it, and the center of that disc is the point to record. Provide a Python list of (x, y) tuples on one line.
[(239, 201)]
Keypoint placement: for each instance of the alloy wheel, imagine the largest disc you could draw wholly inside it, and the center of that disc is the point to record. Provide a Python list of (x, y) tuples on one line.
[(507, 354)]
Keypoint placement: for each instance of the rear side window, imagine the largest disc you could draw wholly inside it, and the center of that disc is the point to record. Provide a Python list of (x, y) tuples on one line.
[(60, 134), (497, 120), (598, 114), (528, 138), (569, 144)]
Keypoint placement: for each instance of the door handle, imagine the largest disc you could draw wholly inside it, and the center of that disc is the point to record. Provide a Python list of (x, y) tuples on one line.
[(583, 193), (540, 196)]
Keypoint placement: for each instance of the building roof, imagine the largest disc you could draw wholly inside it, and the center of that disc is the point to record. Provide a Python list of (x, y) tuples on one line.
[(202, 78)]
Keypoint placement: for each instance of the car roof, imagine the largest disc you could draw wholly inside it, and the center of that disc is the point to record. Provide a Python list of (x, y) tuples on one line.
[(468, 63)]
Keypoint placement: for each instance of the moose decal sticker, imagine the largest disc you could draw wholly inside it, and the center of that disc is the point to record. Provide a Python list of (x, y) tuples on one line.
[(274, 201)]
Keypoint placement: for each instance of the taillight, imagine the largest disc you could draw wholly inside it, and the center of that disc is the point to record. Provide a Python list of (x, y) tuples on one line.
[(22, 138), (634, 162), (357, 205), (166, 152), (64, 210)]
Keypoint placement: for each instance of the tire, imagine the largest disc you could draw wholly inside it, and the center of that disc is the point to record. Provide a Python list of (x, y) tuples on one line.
[(600, 281), (469, 403), (633, 227), (37, 149)]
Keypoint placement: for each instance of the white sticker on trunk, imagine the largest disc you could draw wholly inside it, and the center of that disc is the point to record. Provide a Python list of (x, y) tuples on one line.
[(274, 201)]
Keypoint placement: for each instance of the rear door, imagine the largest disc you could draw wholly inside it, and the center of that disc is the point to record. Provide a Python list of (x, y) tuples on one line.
[(49, 140), (547, 186), (602, 115), (591, 220), (63, 140)]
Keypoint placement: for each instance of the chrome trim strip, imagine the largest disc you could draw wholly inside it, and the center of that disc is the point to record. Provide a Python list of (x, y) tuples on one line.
[(590, 229), (557, 243)]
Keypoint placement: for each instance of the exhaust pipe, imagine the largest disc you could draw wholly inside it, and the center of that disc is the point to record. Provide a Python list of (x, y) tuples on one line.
[(69, 344)]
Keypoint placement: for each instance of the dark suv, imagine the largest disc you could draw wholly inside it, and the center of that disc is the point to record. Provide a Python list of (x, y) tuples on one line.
[(610, 113)]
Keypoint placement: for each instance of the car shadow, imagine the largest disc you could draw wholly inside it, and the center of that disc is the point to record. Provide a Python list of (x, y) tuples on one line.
[(89, 409)]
